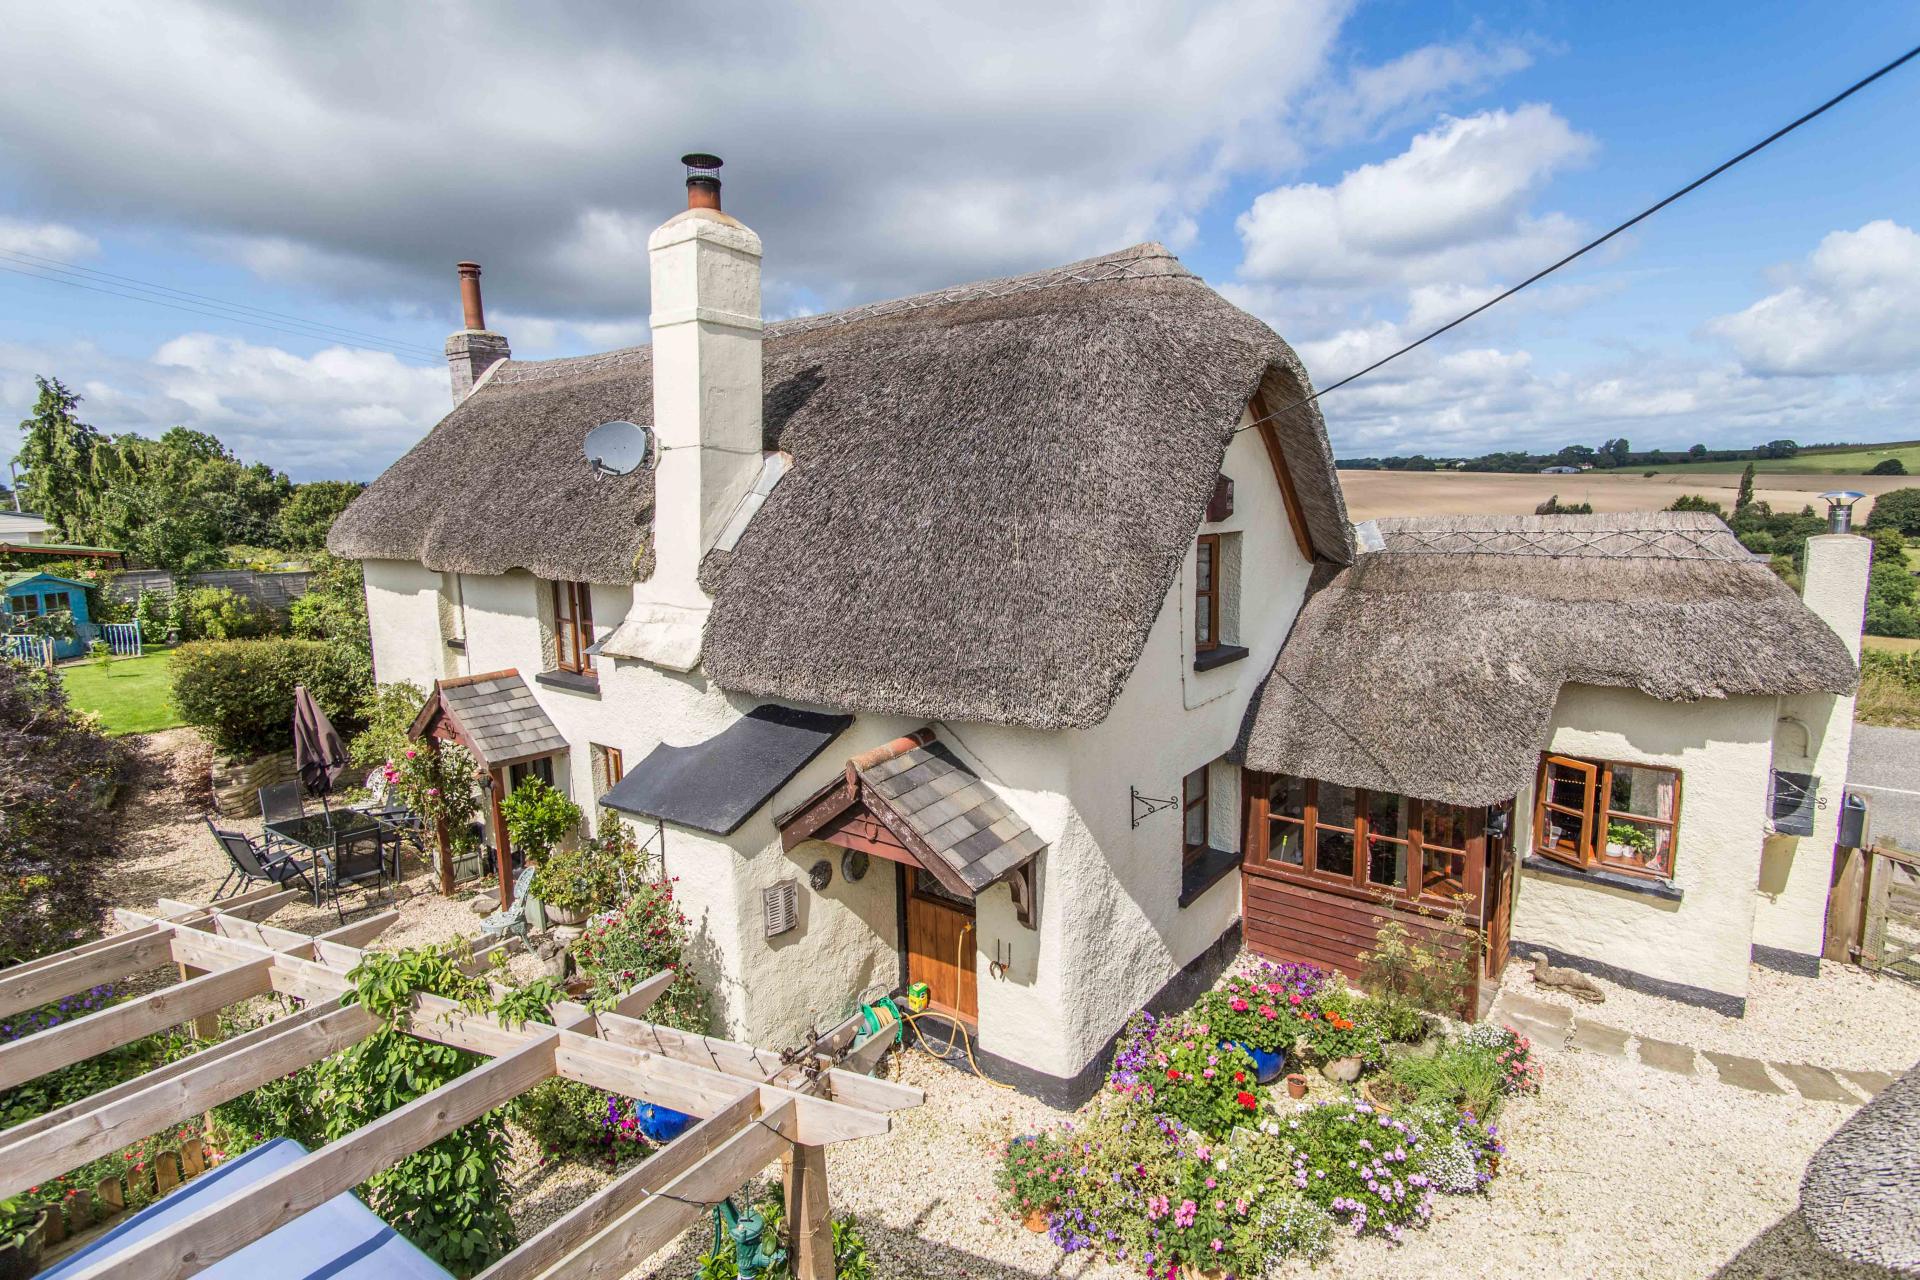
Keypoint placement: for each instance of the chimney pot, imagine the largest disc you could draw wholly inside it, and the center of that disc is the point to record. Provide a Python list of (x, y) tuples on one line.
[(703, 180), (1840, 510), (470, 305)]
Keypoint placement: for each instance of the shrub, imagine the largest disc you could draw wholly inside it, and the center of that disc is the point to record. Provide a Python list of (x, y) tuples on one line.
[(568, 1118), (216, 613), (239, 693), (538, 818), (1898, 509), (1458, 1078), (594, 877), (1363, 1166), (645, 935), (1554, 507), (389, 711), (1889, 689), (1032, 1172), (1401, 972), (150, 611), (1512, 1051), (1336, 1032), (1888, 467), (1206, 1086), (55, 843)]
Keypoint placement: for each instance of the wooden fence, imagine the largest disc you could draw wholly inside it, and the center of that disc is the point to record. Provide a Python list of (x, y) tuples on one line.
[(275, 590), (1890, 917), (34, 650)]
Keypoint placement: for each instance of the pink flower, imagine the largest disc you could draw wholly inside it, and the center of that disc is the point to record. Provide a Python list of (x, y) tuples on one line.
[(1238, 1005), (1294, 998), (411, 753)]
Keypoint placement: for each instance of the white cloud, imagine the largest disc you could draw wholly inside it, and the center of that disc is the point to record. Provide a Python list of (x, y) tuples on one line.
[(45, 240), (339, 412), (1414, 85), (1453, 206), (1852, 308)]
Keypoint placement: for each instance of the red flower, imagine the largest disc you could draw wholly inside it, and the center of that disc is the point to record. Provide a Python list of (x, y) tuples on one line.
[(1172, 1074), (1246, 1100), (1239, 1077)]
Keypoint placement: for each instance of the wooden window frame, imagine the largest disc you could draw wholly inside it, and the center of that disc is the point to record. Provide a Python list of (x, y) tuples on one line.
[(611, 766), (1209, 598), (573, 627), (1190, 853), (1414, 893), (1597, 814)]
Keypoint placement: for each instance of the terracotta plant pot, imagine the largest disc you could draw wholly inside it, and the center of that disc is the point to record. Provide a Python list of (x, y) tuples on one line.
[(1343, 1070), (1035, 1221), (1296, 1085)]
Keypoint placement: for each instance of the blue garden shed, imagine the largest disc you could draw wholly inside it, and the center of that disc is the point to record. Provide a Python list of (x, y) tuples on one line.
[(29, 595)]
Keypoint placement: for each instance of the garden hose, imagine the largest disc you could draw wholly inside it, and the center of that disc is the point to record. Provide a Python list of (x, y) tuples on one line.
[(959, 1029)]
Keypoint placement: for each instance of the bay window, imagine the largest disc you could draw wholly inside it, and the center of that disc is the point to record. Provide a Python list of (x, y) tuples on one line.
[(1372, 842), (1607, 815)]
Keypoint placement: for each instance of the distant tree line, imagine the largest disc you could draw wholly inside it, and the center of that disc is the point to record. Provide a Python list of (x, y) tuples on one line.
[(182, 502), (1609, 455)]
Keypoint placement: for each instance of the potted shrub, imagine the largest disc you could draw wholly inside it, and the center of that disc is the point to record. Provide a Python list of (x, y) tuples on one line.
[(1260, 1018), (1029, 1177), (573, 884), (1624, 840), (1343, 1046), (537, 818)]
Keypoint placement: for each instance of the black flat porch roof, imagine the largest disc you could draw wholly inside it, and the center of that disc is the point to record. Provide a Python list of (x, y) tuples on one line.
[(716, 785)]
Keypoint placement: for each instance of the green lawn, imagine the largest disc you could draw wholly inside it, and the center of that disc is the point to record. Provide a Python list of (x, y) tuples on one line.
[(1838, 462), (130, 695)]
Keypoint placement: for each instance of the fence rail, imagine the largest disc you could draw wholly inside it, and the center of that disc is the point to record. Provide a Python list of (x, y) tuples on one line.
[(123, 638), (34, 650), (1890, 933), (275, 589)]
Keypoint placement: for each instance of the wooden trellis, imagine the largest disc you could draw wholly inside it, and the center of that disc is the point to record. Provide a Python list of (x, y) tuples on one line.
[(754, 1107)]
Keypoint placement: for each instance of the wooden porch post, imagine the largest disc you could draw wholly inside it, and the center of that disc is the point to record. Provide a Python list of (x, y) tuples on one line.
[(443, 856), (809, 1213)]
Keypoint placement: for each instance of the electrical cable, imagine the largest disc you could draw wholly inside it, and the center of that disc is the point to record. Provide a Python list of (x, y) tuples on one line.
[(1642, 216), (45, 263)]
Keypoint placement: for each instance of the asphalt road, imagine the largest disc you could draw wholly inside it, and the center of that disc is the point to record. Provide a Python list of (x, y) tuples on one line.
[(1886, 770)]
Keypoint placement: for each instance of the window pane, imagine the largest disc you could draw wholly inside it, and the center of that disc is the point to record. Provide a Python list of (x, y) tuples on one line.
[(1640, 844), (1334, 855), (1566, 787), (1444, 824), (1285, 842), (1203, 568), (1287, 797), (1563, 830), (1202, 625), (1387, 814), (1442, 872), (1387, 863), (1336, 805), (1648, 792)]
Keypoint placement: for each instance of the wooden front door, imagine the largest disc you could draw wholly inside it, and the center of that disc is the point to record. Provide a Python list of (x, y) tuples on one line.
[(940, 946)]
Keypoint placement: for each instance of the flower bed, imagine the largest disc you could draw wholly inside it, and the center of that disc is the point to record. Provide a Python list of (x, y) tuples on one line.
[(1185, 1165)]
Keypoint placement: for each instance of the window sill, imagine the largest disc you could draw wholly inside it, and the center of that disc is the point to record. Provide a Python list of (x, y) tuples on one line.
[(1204, 872), (1218, 656), (571, 681), (1665, 890)]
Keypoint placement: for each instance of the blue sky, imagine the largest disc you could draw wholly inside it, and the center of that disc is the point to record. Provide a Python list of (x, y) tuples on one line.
[(1353, 174)]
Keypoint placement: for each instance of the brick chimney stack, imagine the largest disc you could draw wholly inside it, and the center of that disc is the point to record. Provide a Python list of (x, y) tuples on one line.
[(475, 348)]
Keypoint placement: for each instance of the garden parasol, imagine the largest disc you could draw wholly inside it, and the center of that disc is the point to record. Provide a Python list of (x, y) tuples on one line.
[(318, 754)]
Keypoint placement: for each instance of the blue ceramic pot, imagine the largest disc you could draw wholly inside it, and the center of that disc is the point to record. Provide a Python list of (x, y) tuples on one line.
[(1266, 1066), (660, 1123)]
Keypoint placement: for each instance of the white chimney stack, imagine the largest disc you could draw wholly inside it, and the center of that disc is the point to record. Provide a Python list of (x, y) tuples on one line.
[(706, 411)]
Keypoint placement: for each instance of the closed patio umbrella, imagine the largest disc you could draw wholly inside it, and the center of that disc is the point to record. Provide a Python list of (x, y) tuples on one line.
[(318, 753)]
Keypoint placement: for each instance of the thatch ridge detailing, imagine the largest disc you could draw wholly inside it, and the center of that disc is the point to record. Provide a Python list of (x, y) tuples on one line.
[(1435, 674), (992, 488)]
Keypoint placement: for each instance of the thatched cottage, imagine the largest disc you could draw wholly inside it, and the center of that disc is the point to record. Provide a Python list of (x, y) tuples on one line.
[(924, 632), (928, 637)]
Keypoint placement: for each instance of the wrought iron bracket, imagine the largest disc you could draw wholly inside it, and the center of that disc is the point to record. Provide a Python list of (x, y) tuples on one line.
[(1145, 807)]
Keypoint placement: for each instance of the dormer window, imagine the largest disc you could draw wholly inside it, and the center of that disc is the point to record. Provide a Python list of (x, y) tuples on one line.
[(573, 627), (1216, 602)]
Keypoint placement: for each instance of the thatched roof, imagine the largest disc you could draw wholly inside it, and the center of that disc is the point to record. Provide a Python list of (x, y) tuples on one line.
[(1859, 1196), (1430, 667), (993, 488)]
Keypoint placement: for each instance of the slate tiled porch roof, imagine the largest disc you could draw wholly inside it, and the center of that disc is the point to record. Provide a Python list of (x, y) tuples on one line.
[(495, 715), (959, 816)]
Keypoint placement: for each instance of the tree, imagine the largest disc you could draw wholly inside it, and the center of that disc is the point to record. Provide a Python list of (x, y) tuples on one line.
[(1777, 449), (1897, 509), (57, 458), (1554, 507), (1697, 451), (310, 511), (1893, 599), (1694, 502), (1888, 467), (54, 833), (1745, 497)]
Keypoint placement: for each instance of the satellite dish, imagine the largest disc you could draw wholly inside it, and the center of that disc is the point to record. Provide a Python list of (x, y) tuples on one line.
[(617, 448)]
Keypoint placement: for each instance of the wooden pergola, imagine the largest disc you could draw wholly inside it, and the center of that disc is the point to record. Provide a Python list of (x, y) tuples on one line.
[(754, 1106)]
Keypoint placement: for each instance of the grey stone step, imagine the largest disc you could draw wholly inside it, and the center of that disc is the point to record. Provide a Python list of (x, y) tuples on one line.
[(1743, 1073), (1815, 1083), (1667, 1056)]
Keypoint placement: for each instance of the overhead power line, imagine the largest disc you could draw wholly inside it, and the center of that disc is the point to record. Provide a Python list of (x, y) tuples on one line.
[(35, 268), (1591, 245)]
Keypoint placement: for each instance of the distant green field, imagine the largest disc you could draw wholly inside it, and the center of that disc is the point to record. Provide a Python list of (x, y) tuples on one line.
[(131, 695), (1838, 462)]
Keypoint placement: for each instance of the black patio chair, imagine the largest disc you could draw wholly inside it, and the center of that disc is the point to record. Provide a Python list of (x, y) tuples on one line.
[(281, 802), (356, 857), (252, 865)]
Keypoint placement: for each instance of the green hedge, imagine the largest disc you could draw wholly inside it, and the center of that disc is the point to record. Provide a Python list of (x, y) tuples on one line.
[(240, 692)]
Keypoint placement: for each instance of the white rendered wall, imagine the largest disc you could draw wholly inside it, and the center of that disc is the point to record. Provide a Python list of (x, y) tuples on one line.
[(1723, 749), (403, 615), (1814, 735)]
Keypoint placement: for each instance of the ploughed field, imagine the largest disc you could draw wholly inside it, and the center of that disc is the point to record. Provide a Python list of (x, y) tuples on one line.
[(1374, 494)]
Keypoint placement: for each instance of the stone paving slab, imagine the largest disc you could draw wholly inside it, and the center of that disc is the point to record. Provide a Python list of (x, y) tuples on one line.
[(1743, 1073), (1597, 1037), (1551, 1019), (1870, 1082), (1664, 1054), (1815, 1083)]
